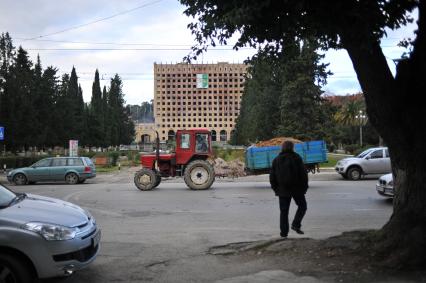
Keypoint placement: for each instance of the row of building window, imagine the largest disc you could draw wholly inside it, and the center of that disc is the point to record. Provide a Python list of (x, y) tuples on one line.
[(199, 119), (220, 91), (161, 86), (189, 75), (220, 102), (194, 112), (195, 80), (198, 110), (180, 126)]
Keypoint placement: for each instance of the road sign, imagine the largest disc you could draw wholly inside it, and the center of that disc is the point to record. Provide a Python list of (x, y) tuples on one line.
[(73, 148), (1, 133)]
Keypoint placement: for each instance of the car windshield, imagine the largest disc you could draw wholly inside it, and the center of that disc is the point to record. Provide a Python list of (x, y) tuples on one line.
[(6, 196), (364, 153)]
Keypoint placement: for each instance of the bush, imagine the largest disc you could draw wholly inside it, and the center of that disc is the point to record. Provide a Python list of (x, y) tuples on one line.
[(89, 154), (114, 157), (352, 148), (137, 159), (19, 161), (361, 149)]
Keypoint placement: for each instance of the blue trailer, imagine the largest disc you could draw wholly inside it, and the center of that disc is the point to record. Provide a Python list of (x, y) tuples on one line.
[(259, 159)]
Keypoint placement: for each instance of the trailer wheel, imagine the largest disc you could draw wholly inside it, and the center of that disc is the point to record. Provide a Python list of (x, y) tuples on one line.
[(199, 175), (145, 179)]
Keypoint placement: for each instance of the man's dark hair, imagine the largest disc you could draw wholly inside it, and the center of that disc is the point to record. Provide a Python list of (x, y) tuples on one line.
[(287, 146)]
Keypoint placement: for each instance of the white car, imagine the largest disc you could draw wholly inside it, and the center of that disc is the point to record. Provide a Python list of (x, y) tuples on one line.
[(384, 186), (371, 161)]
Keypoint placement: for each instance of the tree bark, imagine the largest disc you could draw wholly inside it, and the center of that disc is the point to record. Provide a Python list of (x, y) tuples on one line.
[(395, 107)]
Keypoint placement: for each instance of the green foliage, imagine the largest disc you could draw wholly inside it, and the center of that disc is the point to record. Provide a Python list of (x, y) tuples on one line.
[(38, 109), (229, 154), (143, 113), (18, 161), (274, 22), (283, 96), (114, 157)]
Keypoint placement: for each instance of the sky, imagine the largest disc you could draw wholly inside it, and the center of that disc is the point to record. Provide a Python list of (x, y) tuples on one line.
[(127, 36)]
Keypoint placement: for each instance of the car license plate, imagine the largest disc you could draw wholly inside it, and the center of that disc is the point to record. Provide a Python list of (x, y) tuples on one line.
[(96, 239)]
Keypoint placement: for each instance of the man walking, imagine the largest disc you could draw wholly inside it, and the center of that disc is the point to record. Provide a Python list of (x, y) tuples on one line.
[(289, 179)]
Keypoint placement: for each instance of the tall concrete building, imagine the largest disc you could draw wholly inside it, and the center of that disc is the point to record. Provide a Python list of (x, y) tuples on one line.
[(198, 96)]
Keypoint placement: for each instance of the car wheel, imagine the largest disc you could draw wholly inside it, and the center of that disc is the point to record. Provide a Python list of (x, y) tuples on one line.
[(14, 270), (354, 173), (20, 179), (71, 178)]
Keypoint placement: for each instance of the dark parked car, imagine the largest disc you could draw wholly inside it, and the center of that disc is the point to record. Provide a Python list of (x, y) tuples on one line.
[(72, 170), (43, 237)]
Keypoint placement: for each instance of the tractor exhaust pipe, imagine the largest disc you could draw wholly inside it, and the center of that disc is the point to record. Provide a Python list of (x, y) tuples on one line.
[(157, 151)]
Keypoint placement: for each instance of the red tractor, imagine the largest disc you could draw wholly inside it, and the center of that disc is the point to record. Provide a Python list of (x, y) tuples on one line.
[(193, 148)]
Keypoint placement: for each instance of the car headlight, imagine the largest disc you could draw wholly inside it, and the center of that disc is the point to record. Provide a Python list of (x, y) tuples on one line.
[(52, 232), (9, 173), (342, 162)]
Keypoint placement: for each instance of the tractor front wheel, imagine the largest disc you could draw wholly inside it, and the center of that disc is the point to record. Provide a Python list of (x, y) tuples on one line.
[(146, 179), (199, 175)]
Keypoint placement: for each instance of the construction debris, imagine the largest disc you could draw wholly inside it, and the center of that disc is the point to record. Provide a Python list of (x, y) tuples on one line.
[(276, 141), (233, 169)]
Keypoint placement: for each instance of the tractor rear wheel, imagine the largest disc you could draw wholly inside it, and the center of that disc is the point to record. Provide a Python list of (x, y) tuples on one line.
[(145, 179), (199, 175)]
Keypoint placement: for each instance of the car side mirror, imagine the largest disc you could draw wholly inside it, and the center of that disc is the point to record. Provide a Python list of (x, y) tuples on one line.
[(368, 158)]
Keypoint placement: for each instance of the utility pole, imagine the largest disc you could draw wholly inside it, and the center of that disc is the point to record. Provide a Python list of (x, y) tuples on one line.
[(362, 118)]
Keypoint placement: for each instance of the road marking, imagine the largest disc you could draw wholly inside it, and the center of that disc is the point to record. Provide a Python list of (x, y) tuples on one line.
[(105, 212), (70, 196)]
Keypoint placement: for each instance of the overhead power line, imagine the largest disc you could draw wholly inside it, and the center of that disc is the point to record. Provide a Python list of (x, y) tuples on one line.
[(104, 43), (96, 21), (129, 49)]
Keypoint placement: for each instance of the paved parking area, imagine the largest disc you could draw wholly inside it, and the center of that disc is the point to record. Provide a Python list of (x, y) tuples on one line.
[(162, 235)]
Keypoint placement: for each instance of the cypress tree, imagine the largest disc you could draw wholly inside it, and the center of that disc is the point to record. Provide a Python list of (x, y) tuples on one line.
[(96, 114)]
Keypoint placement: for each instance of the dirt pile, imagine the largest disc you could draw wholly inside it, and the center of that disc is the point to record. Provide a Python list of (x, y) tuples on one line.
[(277, 141), (234, 168)]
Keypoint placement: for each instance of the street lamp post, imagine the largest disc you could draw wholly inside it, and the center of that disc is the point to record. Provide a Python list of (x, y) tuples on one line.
[(361, 116)]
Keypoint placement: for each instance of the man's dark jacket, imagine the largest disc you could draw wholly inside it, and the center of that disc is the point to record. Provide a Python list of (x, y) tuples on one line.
[(288, 176)]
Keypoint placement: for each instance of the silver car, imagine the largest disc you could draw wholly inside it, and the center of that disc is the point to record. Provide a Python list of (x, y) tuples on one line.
[(384, 186), (371, 161), (42, 237)]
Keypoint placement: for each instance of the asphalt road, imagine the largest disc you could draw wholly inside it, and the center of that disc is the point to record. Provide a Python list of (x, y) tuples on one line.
[(162, 235)]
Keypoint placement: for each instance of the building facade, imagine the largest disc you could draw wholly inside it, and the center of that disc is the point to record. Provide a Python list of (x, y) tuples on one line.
[(190, 96), (145, 133)]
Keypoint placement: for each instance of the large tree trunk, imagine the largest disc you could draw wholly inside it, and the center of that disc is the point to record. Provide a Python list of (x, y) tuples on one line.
[(395, 107)]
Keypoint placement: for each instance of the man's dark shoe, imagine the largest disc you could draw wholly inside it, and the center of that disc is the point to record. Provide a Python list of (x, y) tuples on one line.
[(297, 230), (283, 235)]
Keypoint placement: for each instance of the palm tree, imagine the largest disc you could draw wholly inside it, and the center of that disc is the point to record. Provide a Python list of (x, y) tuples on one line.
[(348, 115)]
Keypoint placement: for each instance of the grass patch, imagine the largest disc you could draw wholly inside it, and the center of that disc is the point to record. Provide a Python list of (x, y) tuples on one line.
[(229, 154), (106, 169), (333, 159)]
